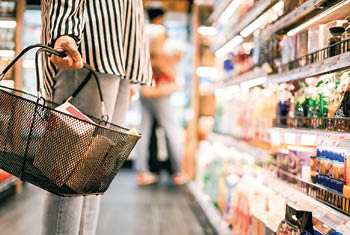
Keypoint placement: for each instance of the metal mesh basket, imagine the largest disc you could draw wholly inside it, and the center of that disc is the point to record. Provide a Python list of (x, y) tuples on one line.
[(58, 152)]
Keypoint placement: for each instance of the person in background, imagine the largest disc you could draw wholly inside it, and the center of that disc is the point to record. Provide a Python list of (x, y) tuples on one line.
[(110, 36), (155, 100)]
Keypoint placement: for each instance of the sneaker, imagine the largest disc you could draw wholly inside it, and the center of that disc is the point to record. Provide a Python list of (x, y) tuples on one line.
[(180, 179), (146, 178)]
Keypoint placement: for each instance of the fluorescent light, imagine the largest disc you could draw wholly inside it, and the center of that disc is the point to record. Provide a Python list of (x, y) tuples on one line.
[(207, 31), (230, 10), (261, 20), (254, 82), (7, 24), (253, 26), (317, 18), (209, 72), (7, 53), (229, 46)]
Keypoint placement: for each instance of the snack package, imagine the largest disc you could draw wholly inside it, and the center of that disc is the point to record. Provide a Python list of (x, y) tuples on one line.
[(63, 144), (296, 222), (90, 170)]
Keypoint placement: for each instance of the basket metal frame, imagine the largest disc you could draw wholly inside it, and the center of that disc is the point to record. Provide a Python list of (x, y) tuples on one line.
[(41, 103)]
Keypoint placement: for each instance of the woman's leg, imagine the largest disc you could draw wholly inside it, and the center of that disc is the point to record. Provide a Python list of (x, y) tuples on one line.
[(141, 161), (67, 215), (165, 115)]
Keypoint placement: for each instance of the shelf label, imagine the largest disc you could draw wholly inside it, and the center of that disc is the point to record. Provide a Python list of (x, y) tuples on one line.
[(275, 137), (344, 142), (331, 140), (307, 139), (290, 138)]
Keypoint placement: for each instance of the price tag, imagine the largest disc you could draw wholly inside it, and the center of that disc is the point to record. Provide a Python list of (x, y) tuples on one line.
[(344, 142), (307, 139), (331, 140), (275, 137), (320, 139), (290, 138)]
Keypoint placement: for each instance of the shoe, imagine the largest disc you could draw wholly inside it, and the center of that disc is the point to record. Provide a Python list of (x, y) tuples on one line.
[(180, 179), (146, 178)]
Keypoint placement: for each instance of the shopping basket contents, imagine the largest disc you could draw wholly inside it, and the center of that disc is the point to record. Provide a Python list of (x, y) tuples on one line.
[(56, 147)]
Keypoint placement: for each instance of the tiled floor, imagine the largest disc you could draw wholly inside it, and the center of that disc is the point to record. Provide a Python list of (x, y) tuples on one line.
[(126, 209)]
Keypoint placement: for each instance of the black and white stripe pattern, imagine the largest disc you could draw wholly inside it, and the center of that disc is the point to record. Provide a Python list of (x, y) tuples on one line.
[(111, 34)]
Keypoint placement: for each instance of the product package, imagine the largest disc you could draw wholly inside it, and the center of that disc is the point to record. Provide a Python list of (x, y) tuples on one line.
[(296, 222), (63, 136), (90, 169)]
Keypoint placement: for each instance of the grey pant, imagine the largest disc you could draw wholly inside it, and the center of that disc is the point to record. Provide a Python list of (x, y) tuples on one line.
[(162, 110), (79, 215)]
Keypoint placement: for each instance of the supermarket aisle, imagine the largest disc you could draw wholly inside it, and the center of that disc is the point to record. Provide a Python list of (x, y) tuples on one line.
[(126, 209)]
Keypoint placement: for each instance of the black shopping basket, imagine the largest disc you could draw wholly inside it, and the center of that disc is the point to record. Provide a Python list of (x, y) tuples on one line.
[(58, 152)]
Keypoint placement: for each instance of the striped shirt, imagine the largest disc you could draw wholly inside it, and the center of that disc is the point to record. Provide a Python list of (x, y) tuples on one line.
[(110, 34)]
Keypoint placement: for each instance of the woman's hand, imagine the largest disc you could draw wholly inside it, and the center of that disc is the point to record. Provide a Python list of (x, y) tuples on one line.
[(73, 59)]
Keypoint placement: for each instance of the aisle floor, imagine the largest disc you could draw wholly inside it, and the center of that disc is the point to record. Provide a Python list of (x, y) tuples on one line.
[(126, 209)]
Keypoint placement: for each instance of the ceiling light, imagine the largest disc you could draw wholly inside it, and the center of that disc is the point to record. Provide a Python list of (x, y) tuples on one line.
[(207, 31), (253, 26), (261, 20), (230, 10), (229, 46), (253, 83), (317, 18)]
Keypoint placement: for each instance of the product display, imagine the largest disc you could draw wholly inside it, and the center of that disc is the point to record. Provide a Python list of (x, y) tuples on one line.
[(283, 86)]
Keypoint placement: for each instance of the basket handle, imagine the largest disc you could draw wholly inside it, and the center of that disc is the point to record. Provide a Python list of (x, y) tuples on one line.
[(80, 87), (61, 54)]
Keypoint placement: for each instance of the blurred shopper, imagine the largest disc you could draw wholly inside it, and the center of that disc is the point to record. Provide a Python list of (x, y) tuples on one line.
[(110, 36), (155, 100)]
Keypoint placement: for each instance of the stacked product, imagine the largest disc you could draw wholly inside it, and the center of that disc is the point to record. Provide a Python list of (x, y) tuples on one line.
[(332, 170)]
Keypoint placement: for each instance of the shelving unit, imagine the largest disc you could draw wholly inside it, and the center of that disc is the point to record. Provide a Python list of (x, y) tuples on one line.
[(281, 36), (235, 29), (231, 80), (210, 211), (218, 10), (242, 146), (326, 214), (303, 13), (332, 64)]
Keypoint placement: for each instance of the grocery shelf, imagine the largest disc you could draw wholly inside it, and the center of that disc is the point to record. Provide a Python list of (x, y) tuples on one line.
[(242, 146), (341, 124), (231, 79), (214, 216), (7, 184), (235, 29), (307, 137), (332, 64), (218, 11), (300, 15), (310, 198), (8, 18)]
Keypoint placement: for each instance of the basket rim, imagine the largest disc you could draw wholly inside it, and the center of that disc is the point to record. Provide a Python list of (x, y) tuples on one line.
[(69, 115)]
